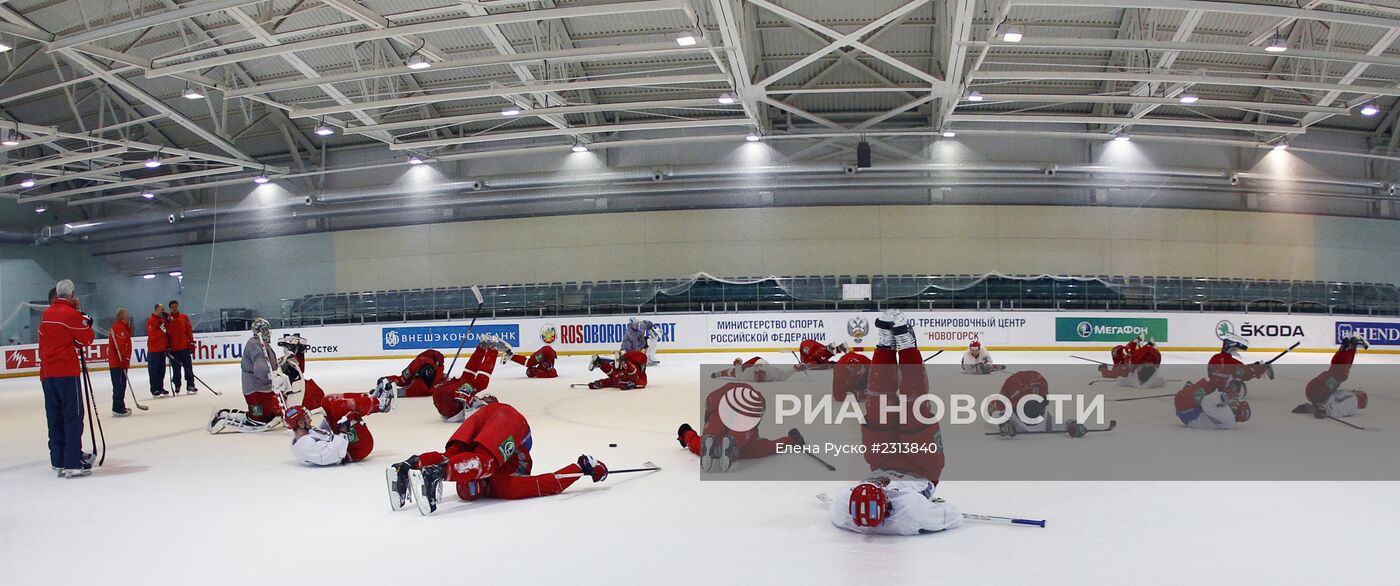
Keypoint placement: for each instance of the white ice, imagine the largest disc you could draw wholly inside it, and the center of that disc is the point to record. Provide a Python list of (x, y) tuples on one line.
[(174, 504)]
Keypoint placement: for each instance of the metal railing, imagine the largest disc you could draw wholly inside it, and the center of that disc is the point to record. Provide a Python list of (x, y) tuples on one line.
[(705, 293)]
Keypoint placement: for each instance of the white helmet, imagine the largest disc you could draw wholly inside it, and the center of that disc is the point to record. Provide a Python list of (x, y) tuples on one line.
[(262, 329)]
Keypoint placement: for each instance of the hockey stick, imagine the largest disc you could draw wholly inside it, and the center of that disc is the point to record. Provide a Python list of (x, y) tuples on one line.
[(1280, 354), (1147, 397), (800, 365), (1112, 423), (646, 467), (934, 355), (476, 292), (829, 467), (92, 410), (825, 498), (1348, 423), (133, 396), (577, 385), (205, 385), (1089, 360)]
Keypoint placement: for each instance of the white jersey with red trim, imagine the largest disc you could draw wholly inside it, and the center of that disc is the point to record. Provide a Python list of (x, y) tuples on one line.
[(913, 510)]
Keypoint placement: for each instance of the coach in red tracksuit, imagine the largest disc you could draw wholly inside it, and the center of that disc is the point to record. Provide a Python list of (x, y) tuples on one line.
[(181, 336), (157, 341), (119, 360), (63, 331)]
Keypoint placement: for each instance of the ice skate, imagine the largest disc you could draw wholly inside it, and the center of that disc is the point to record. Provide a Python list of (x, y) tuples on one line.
[(729, 453), (709, 452), (396, 477), (680, 433), (427, 487), (218, 420)]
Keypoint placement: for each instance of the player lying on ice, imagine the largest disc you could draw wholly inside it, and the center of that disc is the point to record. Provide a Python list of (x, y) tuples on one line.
[(475, 377), (1200, 405), (539, 364), (722, 443), (1027, 390), (422, 374), (487, 457), (978, 360), (813, 353), (265, 386), (1325, 396), (342, 436), (897, 498), (1135, 364), (627, 372), (293, 364), (757, 370)]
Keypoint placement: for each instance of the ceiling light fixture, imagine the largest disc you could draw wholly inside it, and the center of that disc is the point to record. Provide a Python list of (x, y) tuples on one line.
[(147, 195), (753, 137), (323, 130), (1013, 33), (1189, 98), (415, 160), (28, 182), (10, 137), (176, 273), (949, 134), (192, 93), (1278, 44), (148, 277), (417, 61), (975, 96), (262, 176), (1367, 109), (5, 47), (686, 39), (154, 161), (1281, 145), (40, 209), (579, 147), (726, 98), (509, 111), (1122, 137)]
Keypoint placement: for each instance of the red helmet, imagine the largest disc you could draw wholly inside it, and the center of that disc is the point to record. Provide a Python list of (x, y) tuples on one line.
[(974, 345), (738, 361), (1361, 399), (869, 507), (1242, 411), (295, 416)]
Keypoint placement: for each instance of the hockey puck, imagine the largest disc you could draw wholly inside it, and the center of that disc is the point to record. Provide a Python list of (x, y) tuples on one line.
[(612, 445)]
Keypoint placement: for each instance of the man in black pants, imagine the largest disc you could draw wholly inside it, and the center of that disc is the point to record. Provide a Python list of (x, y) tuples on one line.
[(63, 332), (180, 334), (157, 342)]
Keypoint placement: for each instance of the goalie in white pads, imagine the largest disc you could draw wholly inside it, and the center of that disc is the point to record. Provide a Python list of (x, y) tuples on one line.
[(891, 503)]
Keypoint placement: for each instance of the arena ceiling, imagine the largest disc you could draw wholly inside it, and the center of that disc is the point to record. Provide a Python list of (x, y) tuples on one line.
[(94, 93)]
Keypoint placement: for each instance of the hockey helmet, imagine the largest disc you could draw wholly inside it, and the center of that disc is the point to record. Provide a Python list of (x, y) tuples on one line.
[(974, 346), (1241, 410), (869, 506), (263, 329), (1231, 343), (296, 416)]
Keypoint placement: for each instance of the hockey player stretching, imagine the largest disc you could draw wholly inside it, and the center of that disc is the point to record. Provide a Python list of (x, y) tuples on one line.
[(721, 446), (475, 377), (264, 386), (626, 373), (1324, 393), (897, 498), (1026, 391), (977, 360), (420, 376), (342, 437), (539, 364), (487, 457), (1226, 366), (1200, 405), (814, 353)]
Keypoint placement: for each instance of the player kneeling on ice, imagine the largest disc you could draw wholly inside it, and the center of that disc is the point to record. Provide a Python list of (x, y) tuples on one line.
[(1226, 367), (641, 336), (487, 457), (342, 436), (1121, 355), (891, 503), (475, 377), (756, 370), (813, 353), (265, 387), (1026, 392), (1201, 406), (1325, 396), (978, 360), (427, 370), (732, 414), (539, 364), (627, 372)]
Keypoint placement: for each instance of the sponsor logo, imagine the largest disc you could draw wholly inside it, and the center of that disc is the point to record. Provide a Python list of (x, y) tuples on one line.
[(741, 408), (421, 338), (858, 327), (27, 358), (1249, 330), (1375, 333), (548, 333), (608, 333), (507, 447), (1108, 329)]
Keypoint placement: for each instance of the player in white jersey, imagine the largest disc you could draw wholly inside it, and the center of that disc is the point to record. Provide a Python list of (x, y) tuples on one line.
[(892, 503), (978, 360)]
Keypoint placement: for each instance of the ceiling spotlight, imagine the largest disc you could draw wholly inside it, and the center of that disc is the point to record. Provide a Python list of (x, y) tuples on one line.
[(949, 134), (1122, 137), (192, 94), (1281, 146), (416, 61), (261, 179), (153, 162), (5, 47), (415, 160), (147, 195), (1189, 98), (726, 98), (1367, 109), (510, 111), (148, 277), (323, 130), (1013, 33), (579, 147), (686, 39), (753, 137), (40, 209), (28, 182), (1278, 44), (176, 273), (9, 137), (975, 97)]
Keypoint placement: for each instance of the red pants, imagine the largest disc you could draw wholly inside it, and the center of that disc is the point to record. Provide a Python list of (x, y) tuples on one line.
[(314, 395), (338, 406), (748, 444), (484, 443), (263, 406), (628, 373), (540, 364), (901, 373), (477, 373)]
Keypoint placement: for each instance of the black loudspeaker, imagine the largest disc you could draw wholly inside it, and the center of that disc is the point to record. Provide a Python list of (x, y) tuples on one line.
[(863, 155)]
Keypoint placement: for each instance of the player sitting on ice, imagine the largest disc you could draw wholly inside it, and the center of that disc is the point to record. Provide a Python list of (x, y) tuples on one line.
[(732, 433), (756, 370), (1325, 396), (475, 377), (1026, 391), (1122, 355), (427, 370), (898, 496), (977, 360), (1201, 406), (265, 387), (539, 364), (627, 372), (487, 457), (891, 503), (813, 353), (1226, 366), (641, 336), (342, 436), (1143, 368)]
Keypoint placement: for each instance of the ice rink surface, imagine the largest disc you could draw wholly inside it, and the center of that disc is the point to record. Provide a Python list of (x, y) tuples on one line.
[(175, 505)]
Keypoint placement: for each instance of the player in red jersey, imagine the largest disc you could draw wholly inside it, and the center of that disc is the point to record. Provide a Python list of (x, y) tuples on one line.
[(722, 444), (539, 364), (1324, 393), (627, 372)]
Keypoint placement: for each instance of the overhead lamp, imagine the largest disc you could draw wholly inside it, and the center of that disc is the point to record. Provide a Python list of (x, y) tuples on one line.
[(40, 209), (686, 39), (949, 134), (1013, 33), (1367, 109), (1122, 137), (726, 98), (148, 276), (192, 93), (10, 137), (147, 195), (28, 182), (176, 274), (323, 130), (1281, 145), (975, 96), (415, 160), (753, 137), (1189, 98), (5, 47), (579, 147), (416, 60), (262, 176), (154, 161), (1278, 44), (509, 111)]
